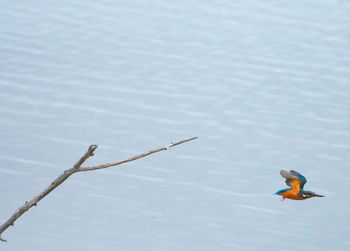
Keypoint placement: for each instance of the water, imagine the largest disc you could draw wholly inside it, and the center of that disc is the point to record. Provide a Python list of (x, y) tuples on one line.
[(264, 84)]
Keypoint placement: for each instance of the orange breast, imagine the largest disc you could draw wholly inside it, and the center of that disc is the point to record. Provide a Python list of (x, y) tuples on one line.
[(292, 194)]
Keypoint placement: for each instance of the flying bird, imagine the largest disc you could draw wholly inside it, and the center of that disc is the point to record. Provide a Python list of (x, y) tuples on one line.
[(296, 181)]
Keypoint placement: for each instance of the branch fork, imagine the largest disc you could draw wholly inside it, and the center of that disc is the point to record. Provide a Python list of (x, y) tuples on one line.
[(77, 167)]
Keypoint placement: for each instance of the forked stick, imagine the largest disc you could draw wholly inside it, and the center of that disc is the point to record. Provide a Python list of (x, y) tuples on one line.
[(77, 168)]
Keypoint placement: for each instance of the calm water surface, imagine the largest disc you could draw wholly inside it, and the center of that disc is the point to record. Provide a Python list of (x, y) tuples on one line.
[(264, 84)]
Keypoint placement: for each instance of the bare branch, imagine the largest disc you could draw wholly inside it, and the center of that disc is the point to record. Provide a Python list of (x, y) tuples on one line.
[(58, 181), (89, 153), (76, 168), (90, 168)]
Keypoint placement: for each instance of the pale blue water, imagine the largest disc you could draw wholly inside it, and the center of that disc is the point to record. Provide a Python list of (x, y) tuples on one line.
[(264, 84)]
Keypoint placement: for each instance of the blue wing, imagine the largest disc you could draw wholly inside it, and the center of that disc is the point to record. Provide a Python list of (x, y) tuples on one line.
[(300, 177)]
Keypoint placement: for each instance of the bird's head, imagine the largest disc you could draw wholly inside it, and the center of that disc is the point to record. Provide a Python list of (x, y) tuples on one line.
[(309, 194)]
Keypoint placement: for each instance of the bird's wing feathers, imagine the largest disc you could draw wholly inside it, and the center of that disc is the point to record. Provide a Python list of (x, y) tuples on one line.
[(292, 180), (300, 177)]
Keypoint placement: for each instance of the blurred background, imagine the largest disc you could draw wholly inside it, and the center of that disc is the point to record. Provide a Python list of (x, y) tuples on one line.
[(264, 84)]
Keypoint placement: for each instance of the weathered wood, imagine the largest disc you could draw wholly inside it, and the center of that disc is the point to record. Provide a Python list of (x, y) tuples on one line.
[(90, 168), (76, 168)]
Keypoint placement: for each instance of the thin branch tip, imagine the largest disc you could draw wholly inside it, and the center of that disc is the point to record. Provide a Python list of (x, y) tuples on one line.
[(91, 150), (93, 147)]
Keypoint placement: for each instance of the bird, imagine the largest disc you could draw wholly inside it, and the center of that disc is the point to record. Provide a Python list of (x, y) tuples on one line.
[(296, 181)]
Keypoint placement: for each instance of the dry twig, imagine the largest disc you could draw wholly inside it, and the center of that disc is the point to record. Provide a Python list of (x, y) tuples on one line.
[(77, 168)]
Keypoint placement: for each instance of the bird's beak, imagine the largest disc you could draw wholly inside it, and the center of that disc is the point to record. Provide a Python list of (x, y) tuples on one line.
[(318, 195)]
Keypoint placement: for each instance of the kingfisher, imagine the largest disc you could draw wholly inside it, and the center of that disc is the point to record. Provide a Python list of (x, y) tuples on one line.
[(296, 181)]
